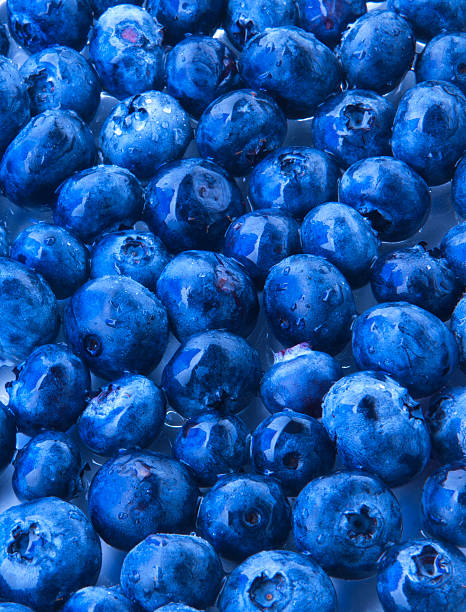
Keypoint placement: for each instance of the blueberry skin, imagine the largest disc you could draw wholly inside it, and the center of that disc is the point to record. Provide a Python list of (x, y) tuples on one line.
[(100, 6), (125, 46), (7, 437), (56, 143), (191, 17), (37, 24), (341, 235), (298, 380), (239, 129), (353, 125), (14, 102), (61, 78), (392, 439), (4, 244), (174, 607), (261, 239), (444, 59), (202, 290), (432, 148), (50, 389), (27, 304), (139, 255), (294, 179), (199, 70), (54, 253), (419, 277), (458, 188), (14, 607), (98, 599), (172, 568), (244, 514), (453, 247), (4, 41), (48, 549), (99, 199), (307, 299), (345, 521), (327, 19), (425, 575), (127, 413), (145, 131), (377, 51), (278, 56), (212, 370), (446, 418), (116, 325), (458, 327), (389, 193), (444, 504), (211, 445), (190, 203), (138, 493), (50, 465), (293, 448), (431, 17)]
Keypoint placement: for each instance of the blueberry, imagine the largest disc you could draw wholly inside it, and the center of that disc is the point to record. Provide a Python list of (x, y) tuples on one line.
[(389, 193), (299, 379), (307, 299), (100, 6), (261, 239), (189, 17), (49, 465), (145, 131), (438, 110), (377, 51), (377, 426), (54, 253), (239, 129), (327, 19), (353, 125), (284, 56), (345, 521), (4, 41), (213, 370), (172, 568), (126, 413), (453, 247), (139, 255), (50, 390), (425, 575), (54, 536), (417, 276), (341, 235), (98, 599), (211, 445), (56, 143), (37, 24), (431, 17), (199, 70), (444, 59), (458, 188), (444, 504), (446, 417), (407, 342), (99, 199), (294, 179), (458, 326), (28, 311), (190, 203), (138, 493), (244, 514), (4, 244), (280, 580), (293, 448), (7, 437), (202, 290), (116, 325), (61, 78), (125, 46), (14, 607), (14, 102)]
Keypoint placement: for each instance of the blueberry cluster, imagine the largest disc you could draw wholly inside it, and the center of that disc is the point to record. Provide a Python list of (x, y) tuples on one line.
[(224, 340)]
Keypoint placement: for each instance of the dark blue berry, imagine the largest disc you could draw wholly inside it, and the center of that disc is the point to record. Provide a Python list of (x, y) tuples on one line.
[(446, 418), (444, 59), (188, 17), (99, 599), (431, 17), (327, 19), (14, 102)]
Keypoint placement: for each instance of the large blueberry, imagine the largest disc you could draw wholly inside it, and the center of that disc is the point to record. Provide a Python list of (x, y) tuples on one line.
[(239, 129), (446, 418), (453, 247), (429, 130), (345, 521), (189, 17), (458, 188), (99, 599), (14, 102), (48, 549), (202, 290), (444, 59), (431, 17), (7, 437), (327, 19), (458, 326)]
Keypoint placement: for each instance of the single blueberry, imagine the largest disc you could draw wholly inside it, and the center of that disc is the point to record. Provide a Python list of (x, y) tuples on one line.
[(458, 326), (244, 514), (345, 521), (327, 19), (4, 40), (239, 129), (190, 203), (444, 59), (202, 290), (4, 243), (458, 188), (453, 247), (48, 549), (49, 465), (446, 418), (188, 17), (100, 6), (116, 325), (127, 413), (98, 599), (431, 17), (7, 437), (14, 102)]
